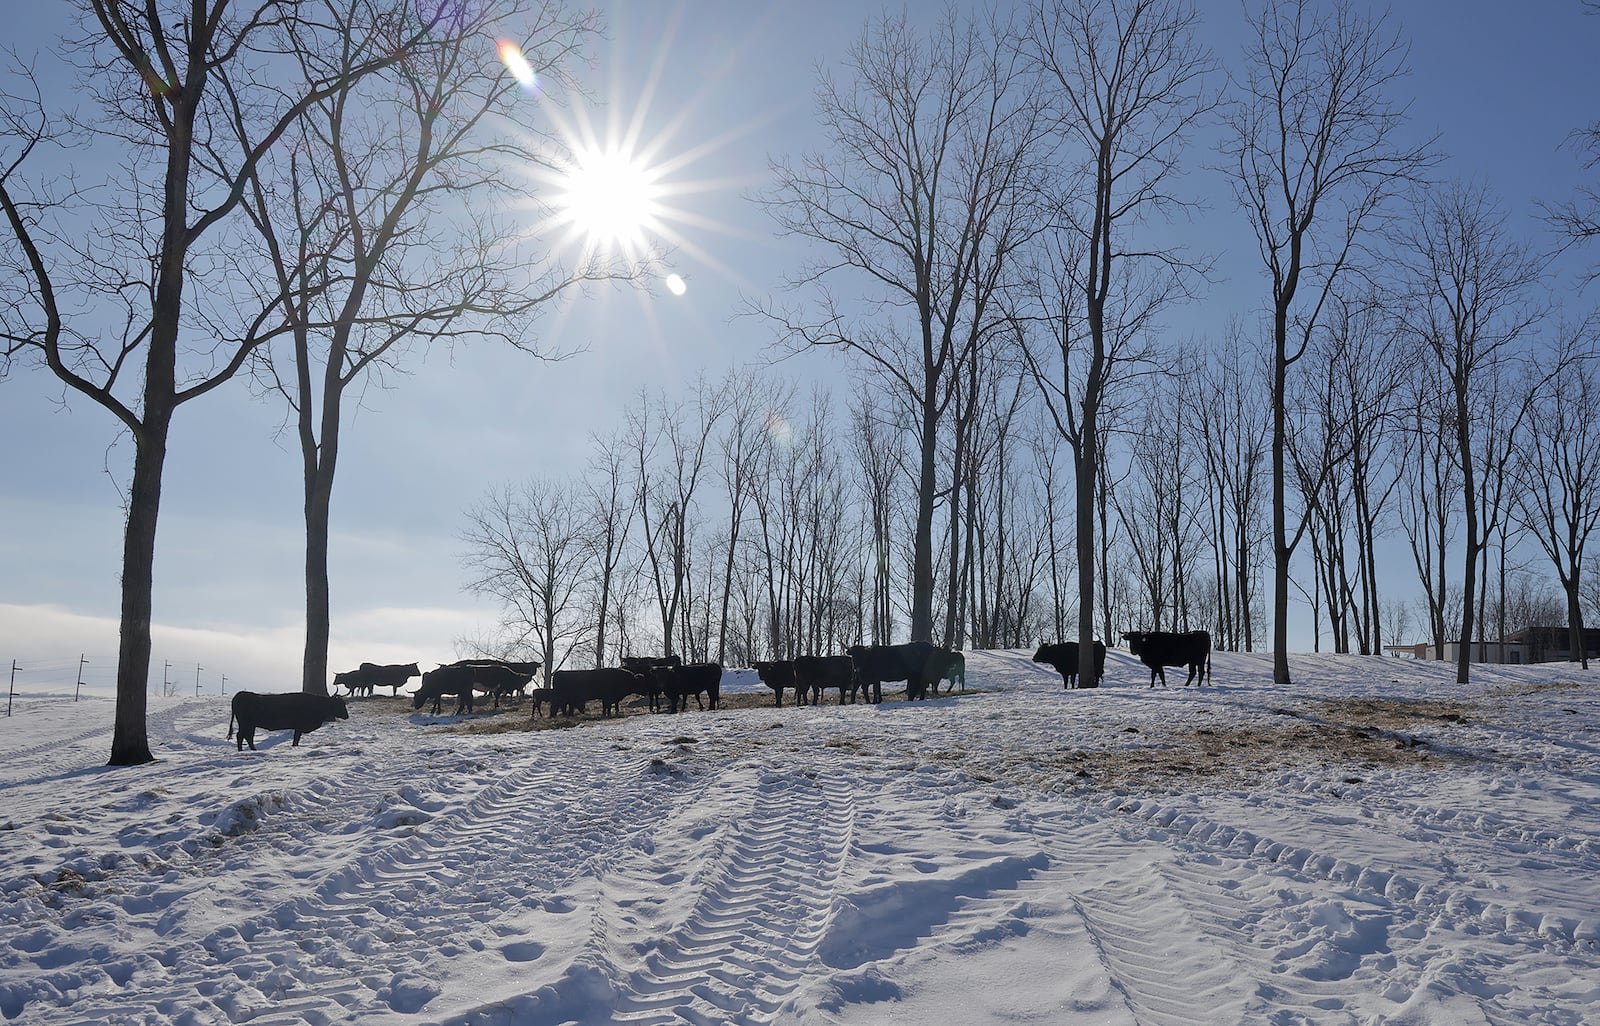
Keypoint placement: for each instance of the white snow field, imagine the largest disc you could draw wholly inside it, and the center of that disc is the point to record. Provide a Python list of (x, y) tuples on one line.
[(1373, 844)]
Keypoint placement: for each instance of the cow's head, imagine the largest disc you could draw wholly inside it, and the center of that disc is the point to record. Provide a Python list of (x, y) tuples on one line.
[(421, 697), (1135, 640), (411, 670), (340, 710)]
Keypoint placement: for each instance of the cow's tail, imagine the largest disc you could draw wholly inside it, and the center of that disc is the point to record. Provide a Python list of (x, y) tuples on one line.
[(230, 724)]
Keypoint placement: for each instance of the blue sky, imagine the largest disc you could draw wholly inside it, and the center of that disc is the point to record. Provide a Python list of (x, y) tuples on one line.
[(1501, 84)]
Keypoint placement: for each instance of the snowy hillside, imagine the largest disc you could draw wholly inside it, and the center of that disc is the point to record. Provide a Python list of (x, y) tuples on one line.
[(1373, 844)]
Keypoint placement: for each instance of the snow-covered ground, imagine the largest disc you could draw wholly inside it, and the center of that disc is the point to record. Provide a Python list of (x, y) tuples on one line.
[(1373, 844)]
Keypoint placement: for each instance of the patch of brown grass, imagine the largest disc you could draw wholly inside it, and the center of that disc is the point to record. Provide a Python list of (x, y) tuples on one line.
[(1358, 734), (1396, 713)]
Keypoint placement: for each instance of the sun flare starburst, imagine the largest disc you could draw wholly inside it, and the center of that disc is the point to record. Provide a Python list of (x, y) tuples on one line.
[(621, 187), (611, 197)]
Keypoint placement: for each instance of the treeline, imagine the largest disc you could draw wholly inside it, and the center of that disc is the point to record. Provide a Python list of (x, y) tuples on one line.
[(749, 522), (1029, 455)]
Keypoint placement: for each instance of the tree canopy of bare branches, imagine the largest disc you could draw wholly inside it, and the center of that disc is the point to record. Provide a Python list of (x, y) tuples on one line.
[(123, 275), (1123, 81), (916, 205), (389, 224), (1316, 148)]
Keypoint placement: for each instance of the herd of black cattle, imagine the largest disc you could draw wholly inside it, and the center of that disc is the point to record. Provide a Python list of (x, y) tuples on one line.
[(862, 670)]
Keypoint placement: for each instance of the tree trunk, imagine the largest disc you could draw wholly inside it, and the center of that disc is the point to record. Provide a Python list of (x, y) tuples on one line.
[(130, 742), (922, 551), (1087, 464), (318, 462), (1280, 536), (1473, 546), (1578, 648), (314, 667)]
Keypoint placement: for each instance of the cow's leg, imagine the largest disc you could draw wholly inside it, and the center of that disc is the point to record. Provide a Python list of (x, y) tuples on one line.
[(296, 742)]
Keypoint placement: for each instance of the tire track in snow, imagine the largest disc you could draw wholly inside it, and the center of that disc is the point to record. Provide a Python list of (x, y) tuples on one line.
[(751, 936), (1346, 941), (1452, 905), (377, 935), (744, 942), (1165, 959)]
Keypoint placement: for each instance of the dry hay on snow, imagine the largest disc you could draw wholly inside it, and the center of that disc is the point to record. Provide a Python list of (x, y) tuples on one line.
[(1233, 752)]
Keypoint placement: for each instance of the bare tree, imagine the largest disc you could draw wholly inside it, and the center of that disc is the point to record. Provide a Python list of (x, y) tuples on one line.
[(1316, 146), (753, 405), (1355, 400), (1233, 423), (1124, 80), (680, 438), (1472, 301), (194, 99), (1044, 445), (384, 224), (1430, 494), (1558, 484), (525, 547), (930, 144), (611, 506), (878, 453)]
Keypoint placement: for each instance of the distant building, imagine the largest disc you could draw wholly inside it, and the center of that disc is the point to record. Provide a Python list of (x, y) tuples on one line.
[(1534, 645)]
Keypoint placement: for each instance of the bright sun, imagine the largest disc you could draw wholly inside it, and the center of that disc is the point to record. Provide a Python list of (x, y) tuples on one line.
[(611, 198)]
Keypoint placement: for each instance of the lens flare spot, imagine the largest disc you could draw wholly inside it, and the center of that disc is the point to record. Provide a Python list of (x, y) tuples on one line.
[(676, 285), (779, 429), (511, 57)]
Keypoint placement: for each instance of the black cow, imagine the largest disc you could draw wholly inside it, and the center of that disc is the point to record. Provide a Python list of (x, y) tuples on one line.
[(497, 684), (818, 673), (679, 682), (497, 678), (1063, 656), (1160, 649), (446, 680), (294, 711), (371, 675), (955, 673), (353, 682), (647, 666), (916, 662), (778, 675), (572, 690), (541, 696)]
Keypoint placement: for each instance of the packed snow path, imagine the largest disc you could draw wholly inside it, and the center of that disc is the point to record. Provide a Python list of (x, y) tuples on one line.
[(1378, 847)]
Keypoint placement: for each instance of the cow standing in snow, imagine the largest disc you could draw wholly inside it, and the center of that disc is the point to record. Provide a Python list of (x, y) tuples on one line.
[(296, 711)]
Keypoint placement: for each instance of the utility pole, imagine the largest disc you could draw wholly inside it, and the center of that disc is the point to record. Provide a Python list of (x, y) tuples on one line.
[(197, 680), (13, 687), (166, 679), (79, 693), (224, 684)]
